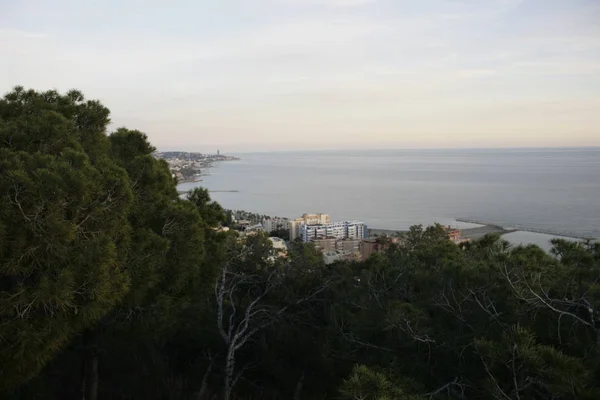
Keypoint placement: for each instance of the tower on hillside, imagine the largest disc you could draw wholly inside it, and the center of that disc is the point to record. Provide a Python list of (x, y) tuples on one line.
[(217, 152)]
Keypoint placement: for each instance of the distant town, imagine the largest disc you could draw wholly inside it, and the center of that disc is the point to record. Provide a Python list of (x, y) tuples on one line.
[(338, 241), (190, 167)]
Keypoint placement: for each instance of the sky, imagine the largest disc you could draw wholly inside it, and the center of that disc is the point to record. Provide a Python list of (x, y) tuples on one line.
[(265, 75)]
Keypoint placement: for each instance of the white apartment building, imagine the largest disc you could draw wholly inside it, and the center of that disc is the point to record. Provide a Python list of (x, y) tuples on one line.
[(272, 224), (339, 230), (294, 228), (295, 225)]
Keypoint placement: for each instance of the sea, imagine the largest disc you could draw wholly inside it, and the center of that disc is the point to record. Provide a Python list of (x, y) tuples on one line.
[(555, 191)]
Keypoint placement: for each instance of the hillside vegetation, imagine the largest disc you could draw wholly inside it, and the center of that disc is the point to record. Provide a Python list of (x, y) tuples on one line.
[(113, 287)]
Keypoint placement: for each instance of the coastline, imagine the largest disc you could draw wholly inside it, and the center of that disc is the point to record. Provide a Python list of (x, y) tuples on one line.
[(202, 167), (210, 191), (264, 179), (525, 229), (468, 233), (189, 181)]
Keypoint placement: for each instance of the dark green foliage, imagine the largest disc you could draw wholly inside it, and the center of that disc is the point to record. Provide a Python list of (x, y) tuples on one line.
[(518, 367), (366, 384), (63, 226), (212, 213), (97, 248), (306, 256), (102, 262)]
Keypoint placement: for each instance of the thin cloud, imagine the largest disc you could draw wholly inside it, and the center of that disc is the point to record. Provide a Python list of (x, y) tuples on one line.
[(222, 72), (329, 3), (12, 34)]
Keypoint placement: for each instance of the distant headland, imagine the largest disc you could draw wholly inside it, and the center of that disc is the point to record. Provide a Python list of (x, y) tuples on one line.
[(190, 167)]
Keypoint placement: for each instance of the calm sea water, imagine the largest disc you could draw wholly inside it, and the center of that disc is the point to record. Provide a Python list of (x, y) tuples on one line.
[(556, 190)]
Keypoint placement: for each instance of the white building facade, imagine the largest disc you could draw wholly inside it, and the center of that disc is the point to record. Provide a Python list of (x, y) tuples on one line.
[(294, 228), (272, 224), (339, 230)]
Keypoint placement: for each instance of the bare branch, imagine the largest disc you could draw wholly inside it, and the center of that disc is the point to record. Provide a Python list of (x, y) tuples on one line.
[(547, 302), (253, 289), (447, 388), (494, 380)]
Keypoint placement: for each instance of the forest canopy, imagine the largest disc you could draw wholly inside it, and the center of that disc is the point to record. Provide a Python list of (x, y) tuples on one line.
[(113, 286)]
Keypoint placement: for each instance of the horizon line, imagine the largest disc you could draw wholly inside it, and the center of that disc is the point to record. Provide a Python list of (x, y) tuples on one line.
[(596, 147)]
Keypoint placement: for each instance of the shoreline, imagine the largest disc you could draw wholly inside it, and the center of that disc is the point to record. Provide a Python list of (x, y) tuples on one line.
[(189, 181), (466, 233), (204, 169), (532, 230), (210, 191), (487, 228), (469, 233)]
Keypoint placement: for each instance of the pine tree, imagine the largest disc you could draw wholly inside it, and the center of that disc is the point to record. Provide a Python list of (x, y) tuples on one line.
[(64, 232)]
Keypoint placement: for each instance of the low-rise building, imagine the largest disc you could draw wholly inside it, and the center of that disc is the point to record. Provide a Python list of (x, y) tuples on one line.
[(326, 243), (455, 235), (338, 255), (252, 228), (369, 247), (279, 247), (352, 245)]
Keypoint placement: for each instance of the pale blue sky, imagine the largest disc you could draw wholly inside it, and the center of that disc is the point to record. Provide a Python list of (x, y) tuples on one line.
[(320, 74)]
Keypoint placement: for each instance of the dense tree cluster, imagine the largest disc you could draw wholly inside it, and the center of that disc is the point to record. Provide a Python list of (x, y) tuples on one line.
[(113, 287)]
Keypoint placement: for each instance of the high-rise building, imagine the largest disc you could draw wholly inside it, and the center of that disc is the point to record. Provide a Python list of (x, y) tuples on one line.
[(339, 230), (314, 219), (294, 228), (273, 224), (296, 225)]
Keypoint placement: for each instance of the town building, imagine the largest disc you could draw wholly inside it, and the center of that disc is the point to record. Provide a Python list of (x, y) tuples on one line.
[(338, 255), (273, 224), (369, 247), (279, 247), (339, 230), (351, 245), (294, 228), (326, 243), (455, 235), (252, 229), (313, 219), (295, 225)]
